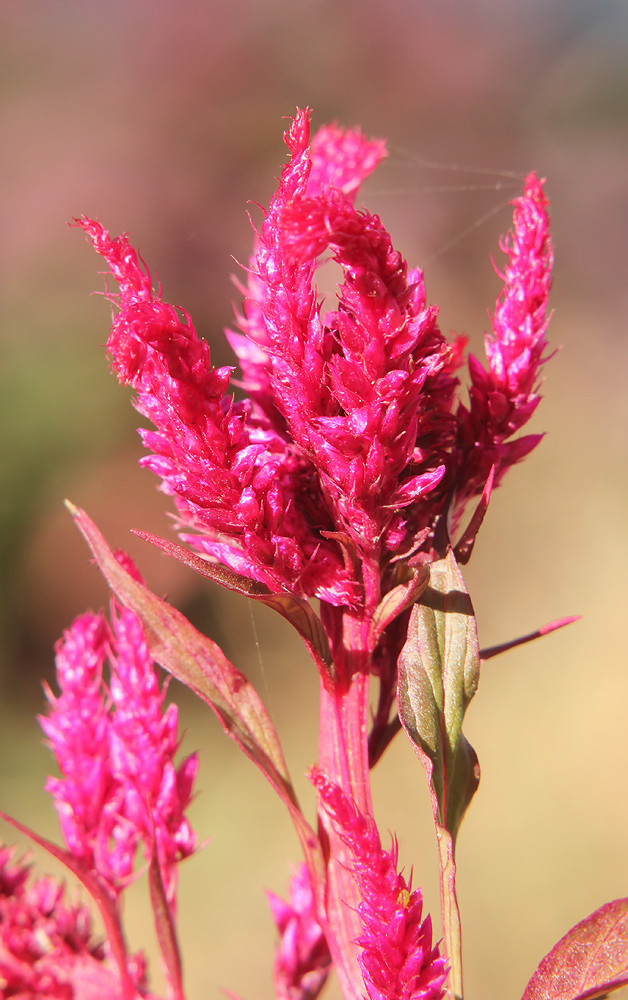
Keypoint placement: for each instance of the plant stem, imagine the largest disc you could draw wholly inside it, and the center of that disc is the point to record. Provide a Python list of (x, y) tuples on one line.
[(343, 758), (450, 914)]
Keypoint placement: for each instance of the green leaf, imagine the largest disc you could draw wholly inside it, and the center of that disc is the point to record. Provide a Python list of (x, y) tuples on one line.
[(590, 961), (439, 669)]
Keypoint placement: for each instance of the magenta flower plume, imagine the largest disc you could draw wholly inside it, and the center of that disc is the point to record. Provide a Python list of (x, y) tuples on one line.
[(46, 945), (88, 798), (302, 961), (357, 388), (352, 442), (504, 396), (397, 958), (233, 477), (115, 748)]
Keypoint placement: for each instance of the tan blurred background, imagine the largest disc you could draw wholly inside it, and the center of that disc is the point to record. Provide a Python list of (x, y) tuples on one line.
[(163, 117)]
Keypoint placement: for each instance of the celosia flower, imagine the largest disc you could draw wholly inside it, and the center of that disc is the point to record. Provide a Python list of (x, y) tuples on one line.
[(352, 386), (397, 959), (302, 962), (352, 443), (232, 476), (46, 945), (115, 750), (88, 797), (505, 395), (144, 741)]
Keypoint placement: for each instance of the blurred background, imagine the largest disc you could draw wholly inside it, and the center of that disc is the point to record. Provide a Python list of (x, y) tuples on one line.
[(163, 118)]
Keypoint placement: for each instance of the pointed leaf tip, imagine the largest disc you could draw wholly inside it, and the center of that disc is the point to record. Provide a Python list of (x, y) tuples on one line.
[(559, 623), (590, 961), (487, 654), (464, 546)]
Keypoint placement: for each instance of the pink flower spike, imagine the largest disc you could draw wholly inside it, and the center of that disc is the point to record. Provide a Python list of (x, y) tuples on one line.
[(515, 351), (238, 487), (144, 741), (342, 159), (397, 959), (115, 749), (357, 388), (78, 726), (302, 961), (504, 396)]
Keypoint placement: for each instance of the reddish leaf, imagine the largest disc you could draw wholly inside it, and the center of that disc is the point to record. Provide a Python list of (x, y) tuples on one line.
[(486, 654), (591, 959), (464, 546), (398, 599), (200, 664), (293, 609)]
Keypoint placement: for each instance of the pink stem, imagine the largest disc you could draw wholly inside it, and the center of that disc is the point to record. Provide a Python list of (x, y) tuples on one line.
[(343, 758)]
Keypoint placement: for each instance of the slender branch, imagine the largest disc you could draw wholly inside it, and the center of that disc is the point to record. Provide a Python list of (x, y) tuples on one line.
[(450, 914), (486, 654), (380, 738)]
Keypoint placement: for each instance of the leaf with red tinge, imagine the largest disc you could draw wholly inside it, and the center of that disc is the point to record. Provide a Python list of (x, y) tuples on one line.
[(200, 664), (590, 961), (439, 669), (293, 609), (486, 654), (399, 599), (464, 547)]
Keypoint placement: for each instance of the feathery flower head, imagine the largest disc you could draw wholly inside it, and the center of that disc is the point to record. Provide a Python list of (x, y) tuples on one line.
[(115, 749), (234, 479), (397, 959), (504, 396), (302, 961), (143, 743), (351, 442), (351, 386), (46, 945), (88, 795)]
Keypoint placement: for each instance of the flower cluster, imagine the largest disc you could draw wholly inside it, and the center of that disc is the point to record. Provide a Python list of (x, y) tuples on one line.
[(343, 476), (46, 944), (115, 748), (303, 962), (397, 958), (352, 441)]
